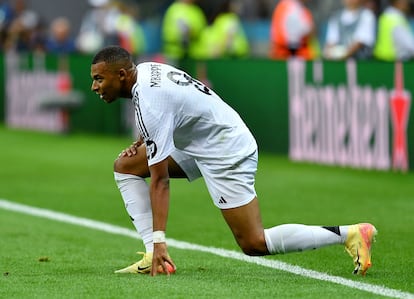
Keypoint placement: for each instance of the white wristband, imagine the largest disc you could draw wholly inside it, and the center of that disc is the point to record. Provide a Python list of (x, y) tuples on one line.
[(158, 236)]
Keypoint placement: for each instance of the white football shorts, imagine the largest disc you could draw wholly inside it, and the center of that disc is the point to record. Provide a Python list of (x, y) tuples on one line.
[(229, 186)]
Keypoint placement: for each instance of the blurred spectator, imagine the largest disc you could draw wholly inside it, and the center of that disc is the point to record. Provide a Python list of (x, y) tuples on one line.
[(350, 32), (111, 23), (6, 15), (60, 40), (25, 33), (374, 6), (292, 31), (395, 37), (96, 30), (129, 33), (225, 36), (182, 25), (254, 10)]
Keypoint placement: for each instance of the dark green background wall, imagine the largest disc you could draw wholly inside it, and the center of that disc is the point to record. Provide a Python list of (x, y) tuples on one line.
[(256, 88), (95, 115)]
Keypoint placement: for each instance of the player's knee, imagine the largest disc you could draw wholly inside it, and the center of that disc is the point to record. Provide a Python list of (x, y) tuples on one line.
[(253, 246), (123, 165), (132, 165), (119, 165)]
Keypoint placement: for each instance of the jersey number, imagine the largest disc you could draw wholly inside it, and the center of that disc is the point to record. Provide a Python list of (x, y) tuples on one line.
[(177, 78)]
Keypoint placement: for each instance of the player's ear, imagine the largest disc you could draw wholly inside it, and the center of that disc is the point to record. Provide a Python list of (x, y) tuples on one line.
[(122, 74)]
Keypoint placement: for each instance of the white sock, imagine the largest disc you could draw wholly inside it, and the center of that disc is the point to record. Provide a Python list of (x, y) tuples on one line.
[(135, 193), (298, 237)]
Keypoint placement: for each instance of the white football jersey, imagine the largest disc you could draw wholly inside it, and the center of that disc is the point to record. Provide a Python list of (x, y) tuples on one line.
[(175, 111)]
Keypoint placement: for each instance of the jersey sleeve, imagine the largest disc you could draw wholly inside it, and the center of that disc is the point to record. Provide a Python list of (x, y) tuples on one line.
[(157, 131)]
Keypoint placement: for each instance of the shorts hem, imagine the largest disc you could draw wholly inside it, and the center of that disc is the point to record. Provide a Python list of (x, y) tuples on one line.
[(236, 204)]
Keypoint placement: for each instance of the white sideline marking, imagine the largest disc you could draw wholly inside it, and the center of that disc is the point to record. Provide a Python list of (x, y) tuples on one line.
[(117, 230)]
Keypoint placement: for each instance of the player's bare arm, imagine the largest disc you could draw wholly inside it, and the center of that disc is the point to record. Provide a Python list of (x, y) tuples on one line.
[(160, 196)]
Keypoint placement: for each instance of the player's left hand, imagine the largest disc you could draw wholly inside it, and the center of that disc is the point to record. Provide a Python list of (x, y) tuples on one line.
[(132, 149), (159, 259)]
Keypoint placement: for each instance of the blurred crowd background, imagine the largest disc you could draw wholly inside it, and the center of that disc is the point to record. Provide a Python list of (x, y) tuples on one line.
[(204, 29)]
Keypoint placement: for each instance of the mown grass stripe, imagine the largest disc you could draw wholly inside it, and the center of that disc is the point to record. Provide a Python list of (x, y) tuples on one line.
[(282, 266)]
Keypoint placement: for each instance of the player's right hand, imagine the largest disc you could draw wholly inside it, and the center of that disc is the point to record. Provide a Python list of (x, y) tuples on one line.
[(160, 258)]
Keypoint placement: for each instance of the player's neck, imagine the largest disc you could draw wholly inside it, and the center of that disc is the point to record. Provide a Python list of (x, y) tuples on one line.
[(130, 82)]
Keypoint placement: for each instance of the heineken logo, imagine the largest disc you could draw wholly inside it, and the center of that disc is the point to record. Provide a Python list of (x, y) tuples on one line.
[(347, 124)]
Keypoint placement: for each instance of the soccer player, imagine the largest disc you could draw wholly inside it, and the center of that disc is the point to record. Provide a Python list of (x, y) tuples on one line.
[(187, 131)]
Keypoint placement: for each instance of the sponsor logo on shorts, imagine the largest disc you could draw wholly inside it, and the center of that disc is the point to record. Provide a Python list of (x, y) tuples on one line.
[(222, 200)]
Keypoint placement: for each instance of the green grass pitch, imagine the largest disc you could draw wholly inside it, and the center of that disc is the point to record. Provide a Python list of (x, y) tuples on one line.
[(73, 174)]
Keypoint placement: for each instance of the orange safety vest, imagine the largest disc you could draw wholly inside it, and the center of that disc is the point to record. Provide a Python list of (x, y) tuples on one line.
[(279, 48)]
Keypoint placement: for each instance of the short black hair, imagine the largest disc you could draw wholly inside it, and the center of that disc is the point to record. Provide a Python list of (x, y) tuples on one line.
[(114, 54)]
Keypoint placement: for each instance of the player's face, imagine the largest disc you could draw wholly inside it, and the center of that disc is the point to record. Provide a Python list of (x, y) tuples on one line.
[(106, 82)]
